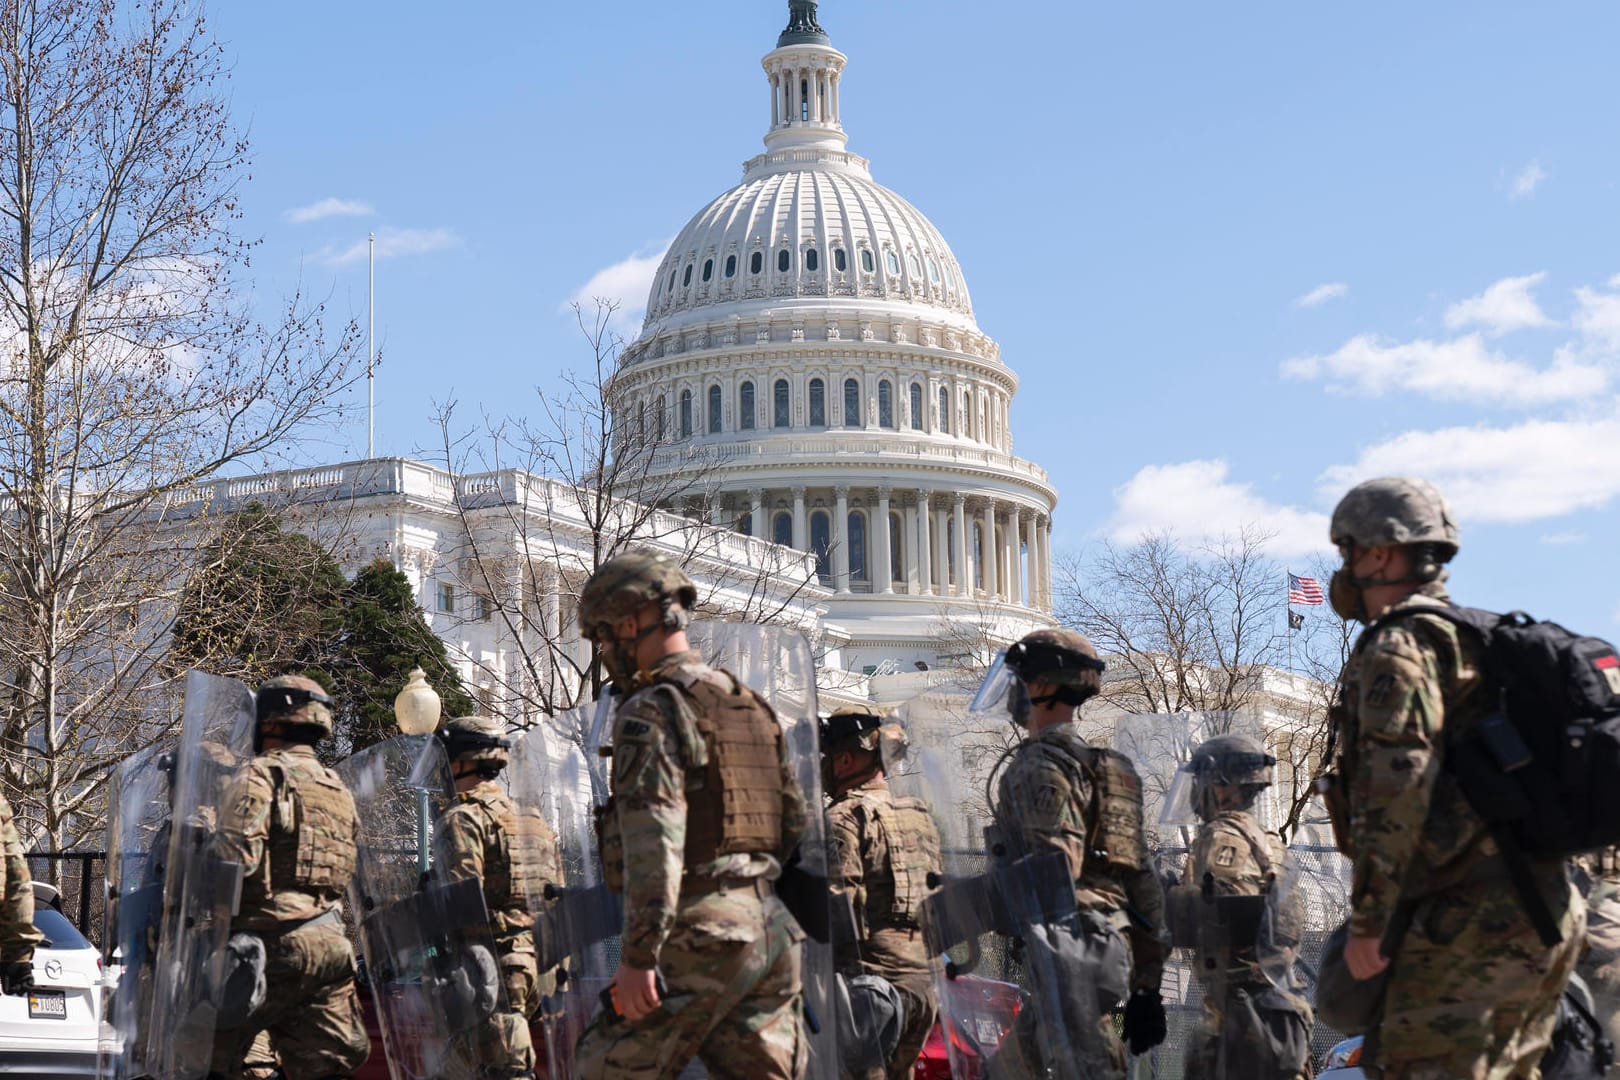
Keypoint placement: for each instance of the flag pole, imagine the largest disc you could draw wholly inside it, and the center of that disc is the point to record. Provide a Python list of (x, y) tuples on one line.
[(1288, 620), (371, 352)]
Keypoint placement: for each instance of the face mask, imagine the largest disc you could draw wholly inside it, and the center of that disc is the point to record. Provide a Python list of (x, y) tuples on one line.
[(1018, 704), (1345, 596), (828, 781)]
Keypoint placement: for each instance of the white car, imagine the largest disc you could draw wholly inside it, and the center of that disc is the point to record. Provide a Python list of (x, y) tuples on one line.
[(54, 1030)]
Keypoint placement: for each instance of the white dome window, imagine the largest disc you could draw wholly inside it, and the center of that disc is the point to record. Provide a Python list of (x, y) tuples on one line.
[(812, 260)]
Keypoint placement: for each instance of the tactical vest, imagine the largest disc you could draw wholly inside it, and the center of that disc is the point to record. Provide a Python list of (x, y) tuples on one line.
[(1114, 819), (913, 844), (520, 851), (312, 827), (734, 803)]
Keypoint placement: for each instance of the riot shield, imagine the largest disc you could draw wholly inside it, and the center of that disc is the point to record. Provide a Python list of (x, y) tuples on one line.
[(201, 891), (576, 916), (428, 946), (777, 664), (137, 844)]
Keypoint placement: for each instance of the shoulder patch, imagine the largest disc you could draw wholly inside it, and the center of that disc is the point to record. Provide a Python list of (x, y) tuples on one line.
[(636, 728), (1378, 693), (1225, 855)]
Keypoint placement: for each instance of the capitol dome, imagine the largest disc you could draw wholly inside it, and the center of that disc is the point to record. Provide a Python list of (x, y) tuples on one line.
[(811, 365)]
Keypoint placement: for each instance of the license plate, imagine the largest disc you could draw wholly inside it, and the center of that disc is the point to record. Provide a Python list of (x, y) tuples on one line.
[(51, 1004)]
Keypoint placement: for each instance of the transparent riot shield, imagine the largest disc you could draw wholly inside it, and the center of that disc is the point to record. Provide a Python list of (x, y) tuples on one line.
[(201, 891), (776, 662), (427, 941), (137, 845), (1312, 900), (575, 916)]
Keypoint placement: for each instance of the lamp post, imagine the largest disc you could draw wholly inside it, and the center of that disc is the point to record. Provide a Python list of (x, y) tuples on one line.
[(416, 712)]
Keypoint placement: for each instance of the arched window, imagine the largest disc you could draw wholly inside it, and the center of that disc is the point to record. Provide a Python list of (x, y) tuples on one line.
[(812, 260), (852, 403), (708, 269), (660, 409), (686, 414), (784, 261), (944, 411), (821, 542), (745, 407), (916, 407), (868, 263), (745, 523), (916, 267), (933, 271), (967, 414), (641, 421), (818, 403), (714, 409), (782, 528), (885, 404), (892, 262), (804, 100), (896, 554), (686, 278), (857, 545), (840, 262), (731, 266), (948, 571), (756, 263), (779, 404)]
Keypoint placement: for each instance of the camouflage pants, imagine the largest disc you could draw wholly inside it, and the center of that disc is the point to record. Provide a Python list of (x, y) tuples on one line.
[(312, 1012), (917, 995), (1259, 1034), (735, 999), (1600, 966), (500, 1048), (1473, 993)]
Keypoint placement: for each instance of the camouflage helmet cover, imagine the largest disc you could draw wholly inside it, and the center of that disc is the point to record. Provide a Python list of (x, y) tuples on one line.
[(850, 728), (475, 738), (629, 582), (1058, 656), (1234, 759), (294, 699), (1394, 510)]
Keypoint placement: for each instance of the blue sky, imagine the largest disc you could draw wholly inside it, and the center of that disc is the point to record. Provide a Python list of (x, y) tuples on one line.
[(1239, 255)]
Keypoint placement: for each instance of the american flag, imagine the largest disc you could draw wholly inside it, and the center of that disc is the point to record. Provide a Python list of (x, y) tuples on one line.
[(1304, 590)]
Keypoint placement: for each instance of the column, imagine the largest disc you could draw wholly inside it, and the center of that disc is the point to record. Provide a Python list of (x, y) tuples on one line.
[(925, 567), (756, 509), (837, 98), (942, 550), (840, 551), (1032, 591), (964, 587), (992, 550), (908, 548), (801, 536), (884, 579), (1044, 534), (716, 515), (815, 96)]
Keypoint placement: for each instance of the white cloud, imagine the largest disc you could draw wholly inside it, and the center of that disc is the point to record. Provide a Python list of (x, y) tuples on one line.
[(1322, 294), (1562, 539), (392, 243), (1197, 499), (626, 283), (1597, 315), (1504, 307), (1526, 472), (1464, 369), (329, 207), (1528, 179)]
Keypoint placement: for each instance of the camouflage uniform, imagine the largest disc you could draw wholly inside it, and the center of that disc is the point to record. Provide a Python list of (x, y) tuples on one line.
[(291, 822), (1472, 990), (18, 935), (1243, 860), (881, 852), (727, 948), (480, 836), (1599, 965), (1047, 800)]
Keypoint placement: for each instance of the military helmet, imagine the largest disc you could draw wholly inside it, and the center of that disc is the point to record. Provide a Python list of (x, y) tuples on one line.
[(294, 699), (629, 582), (1395, 510), (1234, 759), (475, 738), (851, 728), (1061, 657)]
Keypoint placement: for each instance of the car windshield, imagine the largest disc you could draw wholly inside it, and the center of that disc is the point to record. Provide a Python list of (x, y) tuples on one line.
[(59, 933)]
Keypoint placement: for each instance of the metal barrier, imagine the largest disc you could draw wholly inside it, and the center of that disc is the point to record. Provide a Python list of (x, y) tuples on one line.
[(81, 878)]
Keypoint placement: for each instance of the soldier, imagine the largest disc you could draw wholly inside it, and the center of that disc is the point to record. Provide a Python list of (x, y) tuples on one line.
[(1250, 1028), (18, 935), (1060, 794), (290, 821), (1598, 875), (705, 808), (1475, 991), (483, 836), (882, 849)]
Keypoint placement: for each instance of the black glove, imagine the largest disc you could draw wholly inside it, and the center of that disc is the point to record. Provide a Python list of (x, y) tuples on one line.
[(1145, 1025), (17, 977)]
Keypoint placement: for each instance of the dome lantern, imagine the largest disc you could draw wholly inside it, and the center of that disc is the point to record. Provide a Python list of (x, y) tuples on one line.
[(804, 72)]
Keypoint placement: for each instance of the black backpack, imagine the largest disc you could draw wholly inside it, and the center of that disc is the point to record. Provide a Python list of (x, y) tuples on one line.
[(1580, 1049), (1543, 769)]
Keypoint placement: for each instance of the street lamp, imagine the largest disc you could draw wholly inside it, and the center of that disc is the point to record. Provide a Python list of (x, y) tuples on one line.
[(416, 711)]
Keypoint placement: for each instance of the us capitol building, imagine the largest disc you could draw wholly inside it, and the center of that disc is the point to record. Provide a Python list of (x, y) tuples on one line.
[(812, 385)]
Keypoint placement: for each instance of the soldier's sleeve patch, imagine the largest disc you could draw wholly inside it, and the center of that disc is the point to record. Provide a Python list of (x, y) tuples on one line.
[(627, 761), (1225, 855), (1378, 693), (636, 728), (1047, 798)]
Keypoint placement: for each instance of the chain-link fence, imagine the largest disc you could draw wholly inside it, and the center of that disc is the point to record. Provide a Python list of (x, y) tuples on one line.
[(80, 878)]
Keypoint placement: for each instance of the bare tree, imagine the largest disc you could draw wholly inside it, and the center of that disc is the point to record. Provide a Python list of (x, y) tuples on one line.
[(543, 504), (135, 372)]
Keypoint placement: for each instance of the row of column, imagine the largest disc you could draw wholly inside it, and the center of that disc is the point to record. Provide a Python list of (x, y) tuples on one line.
[(786, 106), (1015, 553)]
